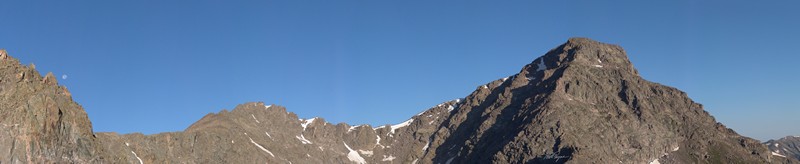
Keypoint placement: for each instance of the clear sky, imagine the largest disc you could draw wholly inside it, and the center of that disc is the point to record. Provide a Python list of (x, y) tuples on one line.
[(158, 66)]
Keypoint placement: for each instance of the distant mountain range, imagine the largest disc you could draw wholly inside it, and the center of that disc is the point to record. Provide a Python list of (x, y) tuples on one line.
[(581, 102), (788, 146)]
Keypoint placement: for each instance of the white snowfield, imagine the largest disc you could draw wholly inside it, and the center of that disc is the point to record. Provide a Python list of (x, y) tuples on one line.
[(305, 123), (354, 156), (398, 126)]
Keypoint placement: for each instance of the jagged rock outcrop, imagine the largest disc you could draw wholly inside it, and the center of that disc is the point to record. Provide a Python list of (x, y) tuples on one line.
[(788, 146), (39, 122), (582, 102)]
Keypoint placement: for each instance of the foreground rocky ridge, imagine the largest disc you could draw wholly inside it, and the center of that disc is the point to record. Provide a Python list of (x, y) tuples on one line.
[(582, 102), (39, 122)]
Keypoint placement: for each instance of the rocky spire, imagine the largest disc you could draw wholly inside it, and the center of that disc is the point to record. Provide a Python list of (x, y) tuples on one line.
[(50, 79)]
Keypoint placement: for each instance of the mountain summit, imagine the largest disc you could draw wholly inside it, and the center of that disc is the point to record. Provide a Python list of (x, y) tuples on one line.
[(582, 102)]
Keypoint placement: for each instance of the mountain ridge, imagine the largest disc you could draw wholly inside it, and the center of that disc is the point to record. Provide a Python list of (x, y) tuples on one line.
[(581, 102), (788, 146)]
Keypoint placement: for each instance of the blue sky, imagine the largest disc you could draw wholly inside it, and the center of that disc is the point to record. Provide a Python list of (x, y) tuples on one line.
[(153, 66)]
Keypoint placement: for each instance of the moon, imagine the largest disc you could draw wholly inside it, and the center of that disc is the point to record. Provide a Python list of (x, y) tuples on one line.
[(64, 77)]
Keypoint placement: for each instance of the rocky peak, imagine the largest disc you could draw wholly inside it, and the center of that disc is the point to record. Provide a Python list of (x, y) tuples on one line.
[(585, 53)]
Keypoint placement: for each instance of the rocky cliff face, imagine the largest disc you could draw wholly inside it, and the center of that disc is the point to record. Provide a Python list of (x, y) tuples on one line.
[(582, 102), (39, 122), (788, 146)]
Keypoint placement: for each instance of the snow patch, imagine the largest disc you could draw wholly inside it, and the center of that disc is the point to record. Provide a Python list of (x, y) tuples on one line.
[(270, 136), (267, 106), (655, 161), (305, 123), (450, 108), (449, 160), (598, 66), (389, 158), (414, 162), (776, 154), (600, 61), (134, 154), (303, 139), (425, 149), (676, 148), (484, 87), (354, 156), (137, 157), (254, 118), (378, 141), (776, 144), (541, 66), (505, 78), (353, 128), (366, 152), (398, 126), (261, 147)]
